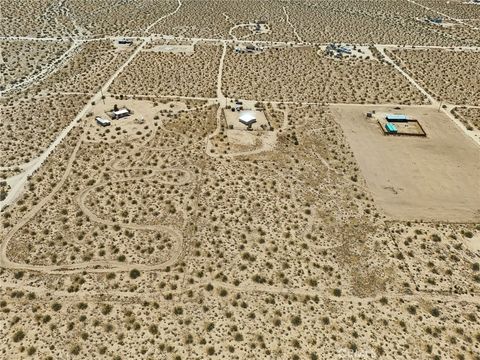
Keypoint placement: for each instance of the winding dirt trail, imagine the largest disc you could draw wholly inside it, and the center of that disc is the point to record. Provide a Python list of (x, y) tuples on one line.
[(164, 16), (105, 265), (294, 29)]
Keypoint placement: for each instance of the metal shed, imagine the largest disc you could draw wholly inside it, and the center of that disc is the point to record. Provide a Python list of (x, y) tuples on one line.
[(102, 122), (396, 118), (391, 128)]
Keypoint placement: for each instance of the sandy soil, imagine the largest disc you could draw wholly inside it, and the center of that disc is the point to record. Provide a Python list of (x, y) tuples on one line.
[(171, 235)]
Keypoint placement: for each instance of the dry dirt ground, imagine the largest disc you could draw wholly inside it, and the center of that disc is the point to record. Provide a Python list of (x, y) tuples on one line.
[(298, 253), (172, 234), (382, 22), (214, 19), (411, 178), (87, 70)]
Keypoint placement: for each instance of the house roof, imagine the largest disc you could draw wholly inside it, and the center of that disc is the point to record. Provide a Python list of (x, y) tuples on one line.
[(121, 111), (247, 116)]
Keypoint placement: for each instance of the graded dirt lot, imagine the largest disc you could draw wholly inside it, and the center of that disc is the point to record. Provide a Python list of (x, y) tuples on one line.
[(432, 178)]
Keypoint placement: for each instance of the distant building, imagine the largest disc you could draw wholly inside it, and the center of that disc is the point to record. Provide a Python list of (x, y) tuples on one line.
[(102, 122), (435, 20), (247, 117), (333, 48), (249, 48), (118, 114), (396, 118), (125, 41)]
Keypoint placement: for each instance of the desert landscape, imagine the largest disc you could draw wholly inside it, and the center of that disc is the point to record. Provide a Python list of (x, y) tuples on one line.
[(230, 179)]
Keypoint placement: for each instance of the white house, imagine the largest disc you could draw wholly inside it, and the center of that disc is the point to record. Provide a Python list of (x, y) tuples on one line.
[(247, 117)]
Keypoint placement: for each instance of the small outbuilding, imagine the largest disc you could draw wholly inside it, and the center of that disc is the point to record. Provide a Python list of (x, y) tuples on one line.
[(102, 122), (247, 117), (396, 118), (391, 129)]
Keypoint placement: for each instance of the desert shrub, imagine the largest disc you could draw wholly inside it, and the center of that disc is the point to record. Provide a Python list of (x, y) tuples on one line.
[(153, 329), (296, 320), (106, 309), (134, 273), (18, 336)]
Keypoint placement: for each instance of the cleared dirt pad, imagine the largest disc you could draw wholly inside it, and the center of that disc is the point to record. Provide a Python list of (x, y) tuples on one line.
[(432, 178)]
